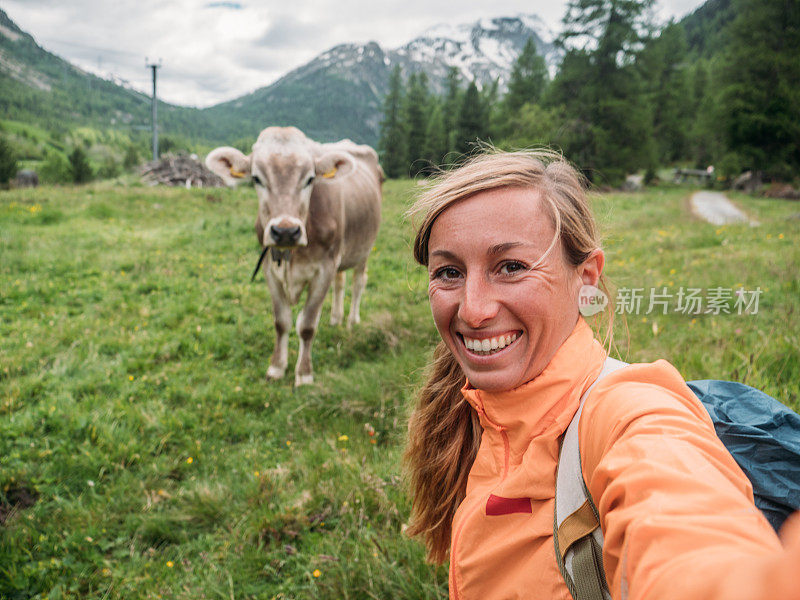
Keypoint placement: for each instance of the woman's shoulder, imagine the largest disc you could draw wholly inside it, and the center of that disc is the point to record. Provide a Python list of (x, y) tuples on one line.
[(641, 388), (649, 396)]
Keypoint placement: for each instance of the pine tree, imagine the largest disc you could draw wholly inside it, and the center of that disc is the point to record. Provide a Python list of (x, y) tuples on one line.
[(436, 139), (8, 161), (759, 103), (609, 130), (79, 167), (489, 95), (471, 120), (662, 64), (451, 107), (416, 113), (704, 141), (612, 31), (528, 79), (392, 145)]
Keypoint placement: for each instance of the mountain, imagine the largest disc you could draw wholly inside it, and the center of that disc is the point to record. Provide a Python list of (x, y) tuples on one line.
[(340, 92), (337, 94), (706, 27), (39, 87)]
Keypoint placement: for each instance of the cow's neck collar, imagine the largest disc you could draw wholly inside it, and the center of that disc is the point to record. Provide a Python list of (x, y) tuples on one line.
[(277, 254)]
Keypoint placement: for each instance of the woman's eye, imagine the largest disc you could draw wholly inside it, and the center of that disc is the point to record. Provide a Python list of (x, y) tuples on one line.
[(512, 267), (446, 273)]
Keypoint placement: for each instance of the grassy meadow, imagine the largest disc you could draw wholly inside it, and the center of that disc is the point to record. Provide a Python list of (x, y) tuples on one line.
[(143, 455)]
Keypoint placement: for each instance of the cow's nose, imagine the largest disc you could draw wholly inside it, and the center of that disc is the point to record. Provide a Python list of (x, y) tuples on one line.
[(285, 235)]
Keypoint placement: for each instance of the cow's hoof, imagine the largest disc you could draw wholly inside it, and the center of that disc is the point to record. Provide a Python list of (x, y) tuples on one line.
[(303, 380), (275, 372), (353, 320), (336, 321)]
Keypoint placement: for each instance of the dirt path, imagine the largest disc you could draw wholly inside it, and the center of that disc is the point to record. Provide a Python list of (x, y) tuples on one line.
[(715, 208)]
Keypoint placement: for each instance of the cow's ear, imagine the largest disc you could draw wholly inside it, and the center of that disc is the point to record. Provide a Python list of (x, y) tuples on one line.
[(230, 164), (334, 165)]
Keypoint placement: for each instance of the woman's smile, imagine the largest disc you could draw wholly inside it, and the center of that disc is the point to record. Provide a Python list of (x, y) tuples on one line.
[(483, 346)]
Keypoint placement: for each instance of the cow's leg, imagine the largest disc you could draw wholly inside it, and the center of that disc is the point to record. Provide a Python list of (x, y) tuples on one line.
[(307, 322), (282, 311), (337, 304), (359, 283)]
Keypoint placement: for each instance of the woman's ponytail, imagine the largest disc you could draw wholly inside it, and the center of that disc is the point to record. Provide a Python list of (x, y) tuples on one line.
[(443, 439)]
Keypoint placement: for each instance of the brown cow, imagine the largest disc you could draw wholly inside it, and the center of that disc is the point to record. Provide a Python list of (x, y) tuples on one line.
[(319, 208)]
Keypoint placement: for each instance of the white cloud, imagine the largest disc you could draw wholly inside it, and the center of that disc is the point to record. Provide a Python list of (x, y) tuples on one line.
[(217, 50)]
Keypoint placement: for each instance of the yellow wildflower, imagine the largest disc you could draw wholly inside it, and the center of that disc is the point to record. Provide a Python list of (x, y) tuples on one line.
[(170, 564), (189, 460), (317, 573)]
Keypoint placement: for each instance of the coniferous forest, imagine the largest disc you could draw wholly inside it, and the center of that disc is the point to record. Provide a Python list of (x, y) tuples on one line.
[(721, 89)]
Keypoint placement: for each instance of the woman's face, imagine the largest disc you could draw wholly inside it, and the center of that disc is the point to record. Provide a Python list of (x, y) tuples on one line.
[(502, 319)]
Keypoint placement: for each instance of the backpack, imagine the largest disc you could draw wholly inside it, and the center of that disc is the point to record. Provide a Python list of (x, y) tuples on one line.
[(762, 435)]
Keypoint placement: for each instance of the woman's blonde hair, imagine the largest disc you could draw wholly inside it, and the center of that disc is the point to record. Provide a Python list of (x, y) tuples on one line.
[(443, 430)]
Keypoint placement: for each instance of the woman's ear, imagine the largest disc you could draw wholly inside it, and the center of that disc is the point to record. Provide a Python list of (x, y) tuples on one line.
[(590, 270)]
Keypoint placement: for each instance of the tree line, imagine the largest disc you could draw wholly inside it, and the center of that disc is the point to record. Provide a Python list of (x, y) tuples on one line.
[(627, 96)]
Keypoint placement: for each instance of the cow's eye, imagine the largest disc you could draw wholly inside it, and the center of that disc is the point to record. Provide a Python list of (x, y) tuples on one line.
[(257, 180), (310, 180)]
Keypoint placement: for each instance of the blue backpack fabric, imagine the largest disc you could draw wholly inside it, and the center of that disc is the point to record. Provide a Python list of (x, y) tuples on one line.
[(763, 436)]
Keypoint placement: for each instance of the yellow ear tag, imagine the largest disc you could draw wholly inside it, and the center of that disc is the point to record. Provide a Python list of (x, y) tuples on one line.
[(330, 173), (237, 174)]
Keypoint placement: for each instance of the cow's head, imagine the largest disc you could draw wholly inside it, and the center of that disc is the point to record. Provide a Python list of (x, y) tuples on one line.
[(285, 167)]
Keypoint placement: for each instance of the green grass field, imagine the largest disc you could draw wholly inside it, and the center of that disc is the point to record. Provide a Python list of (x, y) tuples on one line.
[(143, 455)]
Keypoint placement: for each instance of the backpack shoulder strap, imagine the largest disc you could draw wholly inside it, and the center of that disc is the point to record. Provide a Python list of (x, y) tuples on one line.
[(576, 522)]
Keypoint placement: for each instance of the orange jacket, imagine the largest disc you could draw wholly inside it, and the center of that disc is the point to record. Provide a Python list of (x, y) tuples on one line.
[(676, 511)]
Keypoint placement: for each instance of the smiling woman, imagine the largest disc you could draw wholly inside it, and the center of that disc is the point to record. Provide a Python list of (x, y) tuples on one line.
[(506, 238), (510, 245)]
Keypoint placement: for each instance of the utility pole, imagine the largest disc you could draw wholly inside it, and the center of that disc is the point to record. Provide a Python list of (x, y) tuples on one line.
[(154, 66)]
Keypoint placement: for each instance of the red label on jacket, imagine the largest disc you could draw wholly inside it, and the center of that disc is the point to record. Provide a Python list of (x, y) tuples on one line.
[(497, 505)]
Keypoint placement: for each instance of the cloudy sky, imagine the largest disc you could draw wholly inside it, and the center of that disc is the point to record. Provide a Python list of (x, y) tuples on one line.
[(216, 50)]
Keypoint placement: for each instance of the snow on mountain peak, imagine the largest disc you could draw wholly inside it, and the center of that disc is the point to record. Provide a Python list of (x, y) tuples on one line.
[(483, 50)]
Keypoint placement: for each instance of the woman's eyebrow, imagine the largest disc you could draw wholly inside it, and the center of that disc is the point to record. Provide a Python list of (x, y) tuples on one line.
[(446, 254), (500, 248)]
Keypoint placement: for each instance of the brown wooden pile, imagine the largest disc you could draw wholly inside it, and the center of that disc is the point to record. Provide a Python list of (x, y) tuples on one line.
[(182, 170)]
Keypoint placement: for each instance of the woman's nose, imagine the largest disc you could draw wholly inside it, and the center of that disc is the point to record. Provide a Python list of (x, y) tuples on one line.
[(478, 304)]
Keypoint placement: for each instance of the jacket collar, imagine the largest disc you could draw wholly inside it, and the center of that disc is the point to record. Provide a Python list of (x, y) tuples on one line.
[(546, 404)]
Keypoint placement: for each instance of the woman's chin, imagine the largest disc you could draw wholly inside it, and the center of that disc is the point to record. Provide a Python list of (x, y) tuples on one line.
[(497, 379)]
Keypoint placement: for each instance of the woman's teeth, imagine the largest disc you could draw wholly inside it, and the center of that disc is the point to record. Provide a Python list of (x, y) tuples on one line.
[(489, 345)]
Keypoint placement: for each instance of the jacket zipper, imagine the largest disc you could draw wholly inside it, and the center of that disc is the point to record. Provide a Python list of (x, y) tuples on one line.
[(453, 554)]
